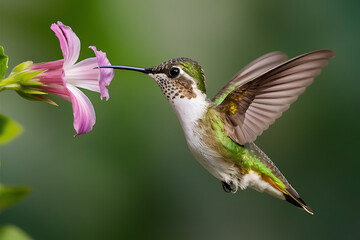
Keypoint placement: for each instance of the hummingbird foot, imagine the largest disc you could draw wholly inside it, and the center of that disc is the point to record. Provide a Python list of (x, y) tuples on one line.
[(229, 188)]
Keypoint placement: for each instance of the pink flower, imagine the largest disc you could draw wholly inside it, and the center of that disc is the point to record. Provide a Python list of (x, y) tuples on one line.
[(63, 77)]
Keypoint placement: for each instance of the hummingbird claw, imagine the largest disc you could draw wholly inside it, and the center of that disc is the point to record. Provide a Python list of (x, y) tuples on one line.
[(227, 187)]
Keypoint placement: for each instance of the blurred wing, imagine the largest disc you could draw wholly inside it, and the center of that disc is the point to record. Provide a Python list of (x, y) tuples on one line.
[(250, 108), (252, 70)]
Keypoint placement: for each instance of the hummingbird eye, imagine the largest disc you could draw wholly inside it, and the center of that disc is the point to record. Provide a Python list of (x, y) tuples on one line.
[(174, 72)]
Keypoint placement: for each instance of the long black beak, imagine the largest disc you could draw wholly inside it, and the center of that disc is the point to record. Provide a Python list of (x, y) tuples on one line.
[(143, 70)]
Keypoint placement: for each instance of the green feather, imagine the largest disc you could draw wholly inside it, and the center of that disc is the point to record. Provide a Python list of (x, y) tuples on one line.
[(196, 72), (240, 155), (221, 98)]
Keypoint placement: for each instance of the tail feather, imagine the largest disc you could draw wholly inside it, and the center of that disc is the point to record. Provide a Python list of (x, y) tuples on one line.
[(293, 197), (289, 192)]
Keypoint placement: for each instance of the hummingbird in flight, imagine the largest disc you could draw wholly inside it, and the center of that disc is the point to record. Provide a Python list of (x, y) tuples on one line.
[(221, 131)]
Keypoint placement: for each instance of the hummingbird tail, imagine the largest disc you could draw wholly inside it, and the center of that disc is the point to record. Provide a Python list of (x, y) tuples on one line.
[(293, 197), (289, 192)]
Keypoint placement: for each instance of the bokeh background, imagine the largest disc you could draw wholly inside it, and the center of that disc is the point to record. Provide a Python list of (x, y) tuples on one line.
[(133, 176)]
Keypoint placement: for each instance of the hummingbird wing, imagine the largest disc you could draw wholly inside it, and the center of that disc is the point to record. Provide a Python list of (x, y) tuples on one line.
[(249, 72), (251, 107)]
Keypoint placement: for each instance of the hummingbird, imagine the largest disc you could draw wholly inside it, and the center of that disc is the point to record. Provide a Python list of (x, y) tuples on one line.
[(220, 132)]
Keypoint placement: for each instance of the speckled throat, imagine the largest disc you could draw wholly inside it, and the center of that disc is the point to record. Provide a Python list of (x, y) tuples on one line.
[(182, 84), (175, 88)]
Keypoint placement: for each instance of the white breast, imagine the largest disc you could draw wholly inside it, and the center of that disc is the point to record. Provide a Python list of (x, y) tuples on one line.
[(189, 111)]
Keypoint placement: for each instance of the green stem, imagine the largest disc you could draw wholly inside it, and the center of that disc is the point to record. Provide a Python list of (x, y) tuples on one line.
[(9, 84)]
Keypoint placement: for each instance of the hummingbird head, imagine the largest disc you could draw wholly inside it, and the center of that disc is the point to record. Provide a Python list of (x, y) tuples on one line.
[(177, 78)]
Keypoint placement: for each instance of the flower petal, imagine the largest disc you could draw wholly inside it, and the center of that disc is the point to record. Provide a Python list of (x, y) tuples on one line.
[(84, 74), (84, 113), (69, 43), (106, 74), (54, 65), (58, 90), (52, 78), (52, 71)]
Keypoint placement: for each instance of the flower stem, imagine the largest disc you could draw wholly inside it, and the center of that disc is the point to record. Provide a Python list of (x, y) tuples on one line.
[(9, 84)]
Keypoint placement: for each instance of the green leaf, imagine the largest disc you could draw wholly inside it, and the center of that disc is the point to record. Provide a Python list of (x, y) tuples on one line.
[(12, 86), (9, 129), (21, 67), (33, 91), (25, 75), (3, 63), (11, 232), (36, 98), (32, 83), (11, 195)]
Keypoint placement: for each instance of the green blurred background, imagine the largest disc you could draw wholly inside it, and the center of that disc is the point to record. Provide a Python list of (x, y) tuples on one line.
[(133, 176)]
